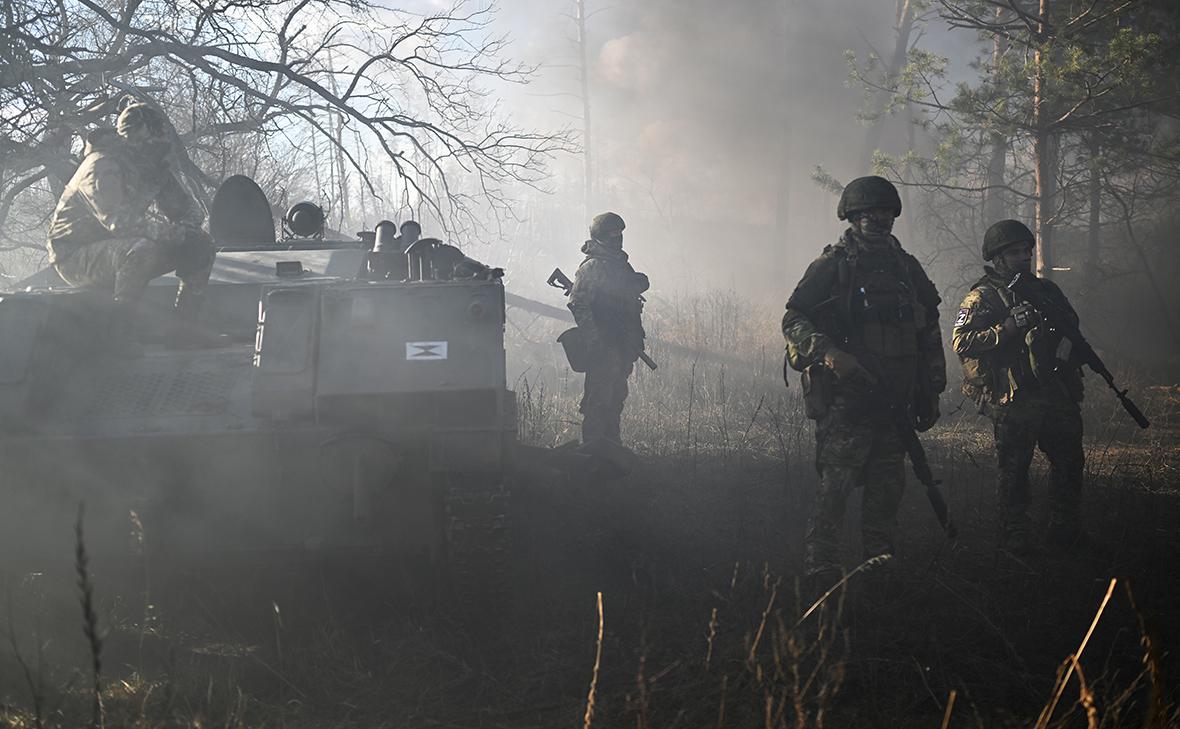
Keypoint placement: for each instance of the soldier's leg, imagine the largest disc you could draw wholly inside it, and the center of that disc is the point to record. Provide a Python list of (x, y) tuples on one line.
[(843, 445), (884, 485), (192, 259), (95, 265), (1061, 442), (123, 266), (593, 391), (144, 260), (618, 397), (1015, 428)]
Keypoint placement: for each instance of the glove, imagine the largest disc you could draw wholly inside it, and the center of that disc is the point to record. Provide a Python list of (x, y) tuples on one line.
[(1025, 317), (926, 414), (845, 366), (1022, 318)]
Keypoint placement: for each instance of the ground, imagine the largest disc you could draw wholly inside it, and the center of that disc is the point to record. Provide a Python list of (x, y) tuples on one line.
[(696, 556), (692, 554)]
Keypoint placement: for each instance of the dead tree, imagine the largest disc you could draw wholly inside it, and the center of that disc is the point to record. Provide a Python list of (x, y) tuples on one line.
[(416, 89)]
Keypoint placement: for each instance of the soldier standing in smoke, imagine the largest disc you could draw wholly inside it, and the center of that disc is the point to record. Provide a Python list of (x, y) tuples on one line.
[(862, 325), (1006, 369), (101, 235), (607, 307)]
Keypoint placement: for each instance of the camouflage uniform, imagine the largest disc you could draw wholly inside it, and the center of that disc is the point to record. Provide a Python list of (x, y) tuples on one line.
[(606, 304), (101, 235), (1001, 375), (875, 301)]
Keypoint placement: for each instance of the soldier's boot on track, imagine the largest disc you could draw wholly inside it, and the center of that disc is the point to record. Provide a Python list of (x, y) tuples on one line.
[(187, 331)]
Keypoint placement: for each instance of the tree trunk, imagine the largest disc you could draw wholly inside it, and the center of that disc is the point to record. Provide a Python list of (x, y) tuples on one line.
[(1094, 233), (1044, 149), (783, 171), (909, 221), (901, 45), (993, 198), (587, 146)]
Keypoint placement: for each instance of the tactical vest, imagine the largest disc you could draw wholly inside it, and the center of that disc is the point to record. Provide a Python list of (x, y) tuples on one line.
[(998, 376), (879, 314), (994, 376)]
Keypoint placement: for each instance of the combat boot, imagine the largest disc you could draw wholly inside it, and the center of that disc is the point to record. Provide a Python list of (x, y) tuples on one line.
[(187, 332)]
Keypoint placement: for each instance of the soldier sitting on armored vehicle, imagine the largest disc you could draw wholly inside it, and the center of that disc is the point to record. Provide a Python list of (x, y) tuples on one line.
[(102, 236)]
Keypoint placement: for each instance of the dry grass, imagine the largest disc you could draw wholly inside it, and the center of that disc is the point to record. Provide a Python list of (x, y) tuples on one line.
[(695, 555)]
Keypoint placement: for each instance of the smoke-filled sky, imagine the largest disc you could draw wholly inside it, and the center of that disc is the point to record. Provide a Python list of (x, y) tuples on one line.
[(709, 120), (705, 115)]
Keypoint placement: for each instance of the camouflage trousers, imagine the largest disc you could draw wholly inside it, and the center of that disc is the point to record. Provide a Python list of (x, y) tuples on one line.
[(603, 395), (1052, 422), (854, 450), (126, 265)]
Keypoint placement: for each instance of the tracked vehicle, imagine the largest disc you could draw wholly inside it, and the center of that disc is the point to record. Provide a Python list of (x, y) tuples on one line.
[(342, 415)]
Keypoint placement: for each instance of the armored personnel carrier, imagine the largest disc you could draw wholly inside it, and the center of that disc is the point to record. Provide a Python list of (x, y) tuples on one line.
[(340, 415)]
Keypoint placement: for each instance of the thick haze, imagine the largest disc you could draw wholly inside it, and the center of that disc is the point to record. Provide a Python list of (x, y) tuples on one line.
[(705, 116)]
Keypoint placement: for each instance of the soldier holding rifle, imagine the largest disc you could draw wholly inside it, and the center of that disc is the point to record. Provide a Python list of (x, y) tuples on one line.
[(1018, 340), (862, 326), (606, 298)]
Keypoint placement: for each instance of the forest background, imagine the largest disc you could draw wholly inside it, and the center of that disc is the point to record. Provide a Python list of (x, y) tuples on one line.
[(720, 133)]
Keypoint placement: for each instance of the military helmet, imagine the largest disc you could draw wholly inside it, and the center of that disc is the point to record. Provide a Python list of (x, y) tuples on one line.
[(140, 123), (866, 193), (1003, 234), (606, 223)]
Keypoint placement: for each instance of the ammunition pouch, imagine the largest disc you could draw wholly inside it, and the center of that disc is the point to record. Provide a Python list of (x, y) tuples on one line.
[(794, 359), (817, 391)]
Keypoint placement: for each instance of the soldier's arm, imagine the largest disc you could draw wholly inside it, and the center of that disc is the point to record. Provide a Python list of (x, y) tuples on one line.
[(930, 337), (177, 205), (104, 189), (806, 344), (976, 329), (587, 282)]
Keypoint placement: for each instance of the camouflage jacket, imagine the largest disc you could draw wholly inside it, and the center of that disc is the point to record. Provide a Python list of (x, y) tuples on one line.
[(829, 308), (605, 300), (110, 196), (998, 369)]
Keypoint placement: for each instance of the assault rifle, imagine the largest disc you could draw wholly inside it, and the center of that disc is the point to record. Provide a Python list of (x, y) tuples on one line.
[(559, 280), (903, 422), (1057, 320), (921, 467)]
